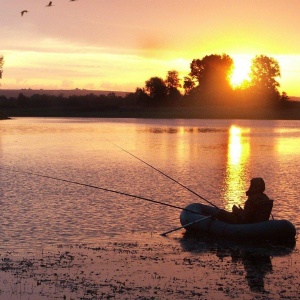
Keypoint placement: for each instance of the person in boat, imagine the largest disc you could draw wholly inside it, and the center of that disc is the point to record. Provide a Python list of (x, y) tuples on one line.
[(257, 208)]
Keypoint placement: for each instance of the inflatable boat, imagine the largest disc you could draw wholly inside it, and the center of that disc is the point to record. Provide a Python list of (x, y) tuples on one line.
[(196, 217)]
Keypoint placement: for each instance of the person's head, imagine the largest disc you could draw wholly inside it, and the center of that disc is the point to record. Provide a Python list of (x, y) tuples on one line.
[(257, 186)]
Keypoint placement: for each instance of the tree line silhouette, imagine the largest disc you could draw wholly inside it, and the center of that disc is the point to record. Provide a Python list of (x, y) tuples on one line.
[(207, 84)]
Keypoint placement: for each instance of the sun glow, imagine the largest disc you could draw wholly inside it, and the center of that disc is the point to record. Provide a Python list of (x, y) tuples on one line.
[(238, 154), (240, 74)]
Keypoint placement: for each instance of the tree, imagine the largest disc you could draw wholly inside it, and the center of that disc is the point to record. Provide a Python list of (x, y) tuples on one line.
[(139, 97), (188, 84), (284, 100), (156, 88), (1, 66), (212, 74), (263, 84), (172, 80), (284, 97), (173, 84), (264, 71), (2, 116)]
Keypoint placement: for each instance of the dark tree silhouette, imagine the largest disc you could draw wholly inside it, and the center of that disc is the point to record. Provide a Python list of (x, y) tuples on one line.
[(156, 88), (173, 84), (2, 116), (263, 85), (264, 71), (138, 98), (172, 80), (213, 75), (284, 97), (1, 65), (188, 84)]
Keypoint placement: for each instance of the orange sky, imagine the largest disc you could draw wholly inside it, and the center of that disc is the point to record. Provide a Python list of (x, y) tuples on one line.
[(118, 44)]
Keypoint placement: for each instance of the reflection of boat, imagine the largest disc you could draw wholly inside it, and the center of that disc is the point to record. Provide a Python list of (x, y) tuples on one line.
[(280, 230), (255, 257)]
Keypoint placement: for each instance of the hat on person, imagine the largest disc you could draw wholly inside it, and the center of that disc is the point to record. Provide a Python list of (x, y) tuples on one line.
[(257, 185)]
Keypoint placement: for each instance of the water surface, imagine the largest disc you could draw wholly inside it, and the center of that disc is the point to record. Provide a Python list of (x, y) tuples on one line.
[(214, 158)]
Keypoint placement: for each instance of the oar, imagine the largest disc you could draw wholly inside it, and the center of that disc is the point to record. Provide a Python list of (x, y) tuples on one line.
[(186, 225)]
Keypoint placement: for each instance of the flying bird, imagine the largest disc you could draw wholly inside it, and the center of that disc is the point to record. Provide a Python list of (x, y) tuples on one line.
[(23, 12), (49, 4)]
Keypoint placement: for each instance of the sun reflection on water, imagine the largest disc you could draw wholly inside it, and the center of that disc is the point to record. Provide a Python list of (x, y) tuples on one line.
[(288, 146), (237, 158)]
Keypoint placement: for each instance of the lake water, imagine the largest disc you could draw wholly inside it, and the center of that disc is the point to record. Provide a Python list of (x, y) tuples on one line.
[(214, 158)]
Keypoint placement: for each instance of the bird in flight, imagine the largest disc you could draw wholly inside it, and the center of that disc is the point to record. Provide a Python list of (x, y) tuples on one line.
[(23, 12), (49, 4)]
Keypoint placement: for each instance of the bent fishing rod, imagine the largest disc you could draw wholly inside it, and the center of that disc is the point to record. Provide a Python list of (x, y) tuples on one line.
[(104, 189), (187, 188)]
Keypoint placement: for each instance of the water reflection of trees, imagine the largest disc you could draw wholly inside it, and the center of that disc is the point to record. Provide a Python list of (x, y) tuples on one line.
[(256, 257), (181, 129)]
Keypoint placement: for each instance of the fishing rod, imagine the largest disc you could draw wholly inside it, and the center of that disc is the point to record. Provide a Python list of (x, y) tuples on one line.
[(186, 225), (104, 189), (187, 188)]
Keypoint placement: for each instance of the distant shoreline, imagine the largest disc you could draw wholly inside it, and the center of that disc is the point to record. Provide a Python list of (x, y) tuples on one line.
[(115, 108), (75, 92), (66, 93), (3, 117), (206, 112)]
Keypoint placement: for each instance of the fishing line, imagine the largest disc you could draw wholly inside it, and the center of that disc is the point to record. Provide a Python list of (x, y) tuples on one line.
[(104, 189), (187, 188)]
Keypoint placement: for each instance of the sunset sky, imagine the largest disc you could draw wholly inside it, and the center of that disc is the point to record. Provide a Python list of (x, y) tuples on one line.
[(119, 44)]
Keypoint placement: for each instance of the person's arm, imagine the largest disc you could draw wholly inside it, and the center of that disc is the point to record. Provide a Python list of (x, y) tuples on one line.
[(249, 210), (239, 213)]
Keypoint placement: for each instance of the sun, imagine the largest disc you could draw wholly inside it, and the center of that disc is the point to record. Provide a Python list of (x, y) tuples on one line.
[(241, 70)]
